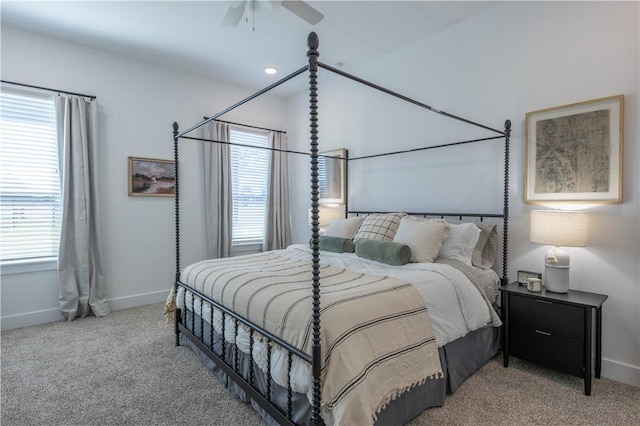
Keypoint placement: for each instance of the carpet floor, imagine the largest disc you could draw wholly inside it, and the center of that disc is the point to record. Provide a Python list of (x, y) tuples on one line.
[(123, 369)]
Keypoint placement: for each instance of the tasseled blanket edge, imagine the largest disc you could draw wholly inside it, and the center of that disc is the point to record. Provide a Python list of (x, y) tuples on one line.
[(170, 307), (399, 392)]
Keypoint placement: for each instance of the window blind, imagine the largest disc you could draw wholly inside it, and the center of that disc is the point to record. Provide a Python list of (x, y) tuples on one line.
[(329, 178), (29, 177), (249, 186)]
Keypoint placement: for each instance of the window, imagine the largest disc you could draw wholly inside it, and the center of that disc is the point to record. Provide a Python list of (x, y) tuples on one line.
[(29, 180), (331, 176), (249, 182)]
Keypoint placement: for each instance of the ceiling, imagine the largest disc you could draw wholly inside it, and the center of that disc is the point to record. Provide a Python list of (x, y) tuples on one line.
[(189, 35)]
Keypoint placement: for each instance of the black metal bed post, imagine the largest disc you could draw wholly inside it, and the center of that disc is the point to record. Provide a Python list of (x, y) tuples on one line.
[(505, 230), (177, 315), (346, 182), (313, 42)]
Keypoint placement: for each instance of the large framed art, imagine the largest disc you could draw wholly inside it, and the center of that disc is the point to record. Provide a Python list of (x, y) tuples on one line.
[(151, 177), (574, 152)]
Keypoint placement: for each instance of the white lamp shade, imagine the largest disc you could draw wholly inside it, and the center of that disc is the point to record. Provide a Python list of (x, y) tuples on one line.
[(560, 228), (327, 214)]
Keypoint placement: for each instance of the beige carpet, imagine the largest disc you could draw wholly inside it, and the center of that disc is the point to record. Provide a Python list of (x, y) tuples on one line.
[(124, 369)]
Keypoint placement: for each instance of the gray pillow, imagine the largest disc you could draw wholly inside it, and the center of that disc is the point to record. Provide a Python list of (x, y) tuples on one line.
[(334, 244), (384, 251), (484, 254)]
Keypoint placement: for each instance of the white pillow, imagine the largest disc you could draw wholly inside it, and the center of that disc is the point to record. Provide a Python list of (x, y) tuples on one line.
[(461, 242), (344, 228), (424, 238)]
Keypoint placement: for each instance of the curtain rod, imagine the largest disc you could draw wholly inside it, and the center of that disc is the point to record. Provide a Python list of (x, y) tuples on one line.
[(48, 89), (248, 125)]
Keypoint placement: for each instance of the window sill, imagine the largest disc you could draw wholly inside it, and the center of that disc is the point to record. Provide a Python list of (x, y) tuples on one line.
[(28, 266), (243, 248)]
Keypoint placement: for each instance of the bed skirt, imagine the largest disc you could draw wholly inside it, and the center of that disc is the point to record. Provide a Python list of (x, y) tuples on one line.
[(459, 359)]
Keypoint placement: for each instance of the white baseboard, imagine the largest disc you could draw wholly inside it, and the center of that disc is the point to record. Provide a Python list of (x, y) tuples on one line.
[(27, 319), (621, 372), (138, 300), (30, 318)]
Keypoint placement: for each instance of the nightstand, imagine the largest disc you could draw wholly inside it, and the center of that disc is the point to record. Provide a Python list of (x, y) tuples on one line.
[(553, 329)]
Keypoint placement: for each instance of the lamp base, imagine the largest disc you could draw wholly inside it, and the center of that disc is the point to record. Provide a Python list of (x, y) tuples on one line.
[(556, 279), (556, 271)]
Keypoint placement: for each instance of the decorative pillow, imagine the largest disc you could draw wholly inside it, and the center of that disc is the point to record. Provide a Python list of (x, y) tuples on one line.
[(343, 228), (335, 244), (383, 251), (484, 254), (424, 237), (461, 242), (379, 227)]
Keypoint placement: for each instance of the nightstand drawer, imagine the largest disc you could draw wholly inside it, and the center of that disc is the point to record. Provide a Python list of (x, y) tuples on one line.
[(544, 315), (552, 350)]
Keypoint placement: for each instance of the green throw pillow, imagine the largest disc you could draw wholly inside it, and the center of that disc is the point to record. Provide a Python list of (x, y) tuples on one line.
[(384, 251), (335, 244)]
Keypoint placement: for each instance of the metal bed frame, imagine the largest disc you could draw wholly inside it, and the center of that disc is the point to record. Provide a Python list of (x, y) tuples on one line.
[(188, 326)]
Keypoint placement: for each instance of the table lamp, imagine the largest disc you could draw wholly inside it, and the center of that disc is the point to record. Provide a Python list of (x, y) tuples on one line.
[(559, 228), (327, 214)]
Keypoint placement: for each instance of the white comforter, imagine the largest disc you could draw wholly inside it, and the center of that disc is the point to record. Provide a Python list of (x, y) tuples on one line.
[(455, 305)]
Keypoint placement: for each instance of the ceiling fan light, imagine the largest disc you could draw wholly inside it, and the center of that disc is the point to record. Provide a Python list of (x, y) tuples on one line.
[(270, 70)]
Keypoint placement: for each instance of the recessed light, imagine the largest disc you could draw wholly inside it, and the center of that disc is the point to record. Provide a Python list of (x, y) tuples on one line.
[(270, 70)]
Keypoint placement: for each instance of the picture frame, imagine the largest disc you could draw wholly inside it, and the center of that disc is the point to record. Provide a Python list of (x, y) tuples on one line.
[(332, 176), (150, 177), (523, 276), (574, 152)]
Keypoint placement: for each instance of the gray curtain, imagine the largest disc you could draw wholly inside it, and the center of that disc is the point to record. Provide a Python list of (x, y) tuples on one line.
[(278, 217), (218, 191), (81, 280)]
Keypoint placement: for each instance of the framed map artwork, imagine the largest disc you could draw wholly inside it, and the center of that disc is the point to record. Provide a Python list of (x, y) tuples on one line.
[(574, 152)]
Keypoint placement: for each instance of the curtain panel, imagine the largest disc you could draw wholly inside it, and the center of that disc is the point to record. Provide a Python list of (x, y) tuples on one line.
[(218, 203), (80, 274), (278, 216)]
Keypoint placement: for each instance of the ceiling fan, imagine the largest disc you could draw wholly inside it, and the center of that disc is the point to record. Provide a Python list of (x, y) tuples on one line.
[(253, 8)]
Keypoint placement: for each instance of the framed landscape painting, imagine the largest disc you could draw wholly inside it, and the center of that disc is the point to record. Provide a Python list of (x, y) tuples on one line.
[(151, 177), (574, 152)]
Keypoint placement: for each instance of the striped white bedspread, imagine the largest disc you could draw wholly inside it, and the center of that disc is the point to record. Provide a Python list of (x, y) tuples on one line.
[(375, 329)]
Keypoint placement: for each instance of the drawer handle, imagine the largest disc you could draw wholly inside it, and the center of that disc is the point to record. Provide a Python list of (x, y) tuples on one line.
[(544, 301), (543, 332)]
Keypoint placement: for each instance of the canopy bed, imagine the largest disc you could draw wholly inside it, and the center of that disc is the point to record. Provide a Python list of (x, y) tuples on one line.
[(302, 353)]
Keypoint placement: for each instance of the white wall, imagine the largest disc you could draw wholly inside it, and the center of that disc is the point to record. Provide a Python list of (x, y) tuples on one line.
[(514, 58), (138, 102)]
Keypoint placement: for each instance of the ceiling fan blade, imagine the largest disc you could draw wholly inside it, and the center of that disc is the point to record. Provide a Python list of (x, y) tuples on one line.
[(303, 10), (234, 14)]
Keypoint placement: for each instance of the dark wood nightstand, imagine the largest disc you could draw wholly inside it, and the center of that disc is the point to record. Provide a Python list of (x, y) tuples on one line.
[(553, 329)]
